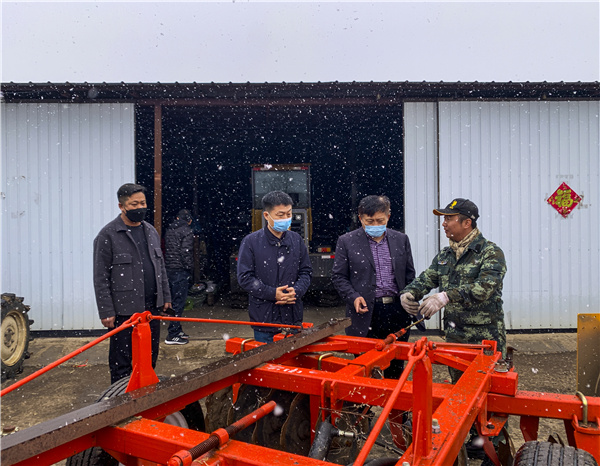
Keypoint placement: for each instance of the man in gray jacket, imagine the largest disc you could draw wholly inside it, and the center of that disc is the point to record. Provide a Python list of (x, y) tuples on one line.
[(129, 276), (179, 260)]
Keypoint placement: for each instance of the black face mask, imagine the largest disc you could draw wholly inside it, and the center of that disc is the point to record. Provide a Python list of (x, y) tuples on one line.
[(136, 215)]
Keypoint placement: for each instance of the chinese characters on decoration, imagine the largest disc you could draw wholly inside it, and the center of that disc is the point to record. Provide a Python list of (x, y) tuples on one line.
[(564, 200)]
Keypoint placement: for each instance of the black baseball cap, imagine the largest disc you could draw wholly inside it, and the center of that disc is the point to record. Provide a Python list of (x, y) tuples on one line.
[(459, 206)]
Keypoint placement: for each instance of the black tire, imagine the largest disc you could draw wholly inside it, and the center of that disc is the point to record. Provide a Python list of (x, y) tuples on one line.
[(15, 335), (218, 405), (552, 454), (96, 456)]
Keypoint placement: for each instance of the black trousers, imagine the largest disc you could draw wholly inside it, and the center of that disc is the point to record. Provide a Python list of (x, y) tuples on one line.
[(179, 282), (119, 353), (389, 318)]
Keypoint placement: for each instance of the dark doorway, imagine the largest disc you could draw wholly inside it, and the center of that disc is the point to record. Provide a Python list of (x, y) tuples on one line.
[(207, 153)]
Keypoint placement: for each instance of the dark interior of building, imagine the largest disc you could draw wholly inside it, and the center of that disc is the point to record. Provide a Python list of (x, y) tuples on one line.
[(208, 151)]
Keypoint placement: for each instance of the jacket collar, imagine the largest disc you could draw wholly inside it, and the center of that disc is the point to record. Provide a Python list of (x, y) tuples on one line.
[(364, 240), (272, 239), (120, 224), (476, 246)]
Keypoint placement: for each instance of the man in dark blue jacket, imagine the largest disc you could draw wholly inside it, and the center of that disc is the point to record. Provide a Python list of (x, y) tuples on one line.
[(274, 268)]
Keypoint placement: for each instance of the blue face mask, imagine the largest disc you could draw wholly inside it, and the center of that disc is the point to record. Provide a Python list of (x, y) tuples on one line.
[(281, 225), (375, 231)]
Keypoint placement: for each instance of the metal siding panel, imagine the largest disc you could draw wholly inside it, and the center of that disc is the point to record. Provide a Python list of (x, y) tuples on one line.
[(509, 157), (61, 167), (420, 183)]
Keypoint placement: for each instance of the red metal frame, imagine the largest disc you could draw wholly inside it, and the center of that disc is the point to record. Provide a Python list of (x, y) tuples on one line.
[(482, 396)]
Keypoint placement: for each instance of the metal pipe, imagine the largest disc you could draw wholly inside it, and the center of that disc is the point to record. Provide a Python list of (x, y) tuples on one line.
[(583, 399), (244, 343), (324, 355), (221, 321), (43, 370), (126, 324), (364, 453), (220, 436)]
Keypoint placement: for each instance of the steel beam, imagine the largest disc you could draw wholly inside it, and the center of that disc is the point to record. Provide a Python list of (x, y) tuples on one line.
[(57, 432)]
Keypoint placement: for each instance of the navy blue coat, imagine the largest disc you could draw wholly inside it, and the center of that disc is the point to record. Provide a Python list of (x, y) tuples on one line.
[(266, 262), (354, 275)]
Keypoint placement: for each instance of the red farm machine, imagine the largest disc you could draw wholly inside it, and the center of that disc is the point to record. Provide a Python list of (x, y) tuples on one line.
[(310, 398)]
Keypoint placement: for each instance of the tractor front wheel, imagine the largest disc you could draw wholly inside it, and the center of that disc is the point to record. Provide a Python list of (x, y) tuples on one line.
[(15, 335)]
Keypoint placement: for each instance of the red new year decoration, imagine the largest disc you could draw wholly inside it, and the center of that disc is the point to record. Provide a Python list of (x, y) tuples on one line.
[(564, 200)]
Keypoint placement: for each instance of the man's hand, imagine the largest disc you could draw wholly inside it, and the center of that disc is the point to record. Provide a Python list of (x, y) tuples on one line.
[(361, 305), (109, 322), (285, 295), (167, 310), (433, 304), (409, 303)]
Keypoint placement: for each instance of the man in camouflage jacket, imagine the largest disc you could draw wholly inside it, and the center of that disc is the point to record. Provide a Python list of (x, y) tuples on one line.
[(469, 275)]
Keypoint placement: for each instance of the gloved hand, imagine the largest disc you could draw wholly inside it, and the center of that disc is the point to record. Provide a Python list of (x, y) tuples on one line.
[(433, 304), (409, 303)]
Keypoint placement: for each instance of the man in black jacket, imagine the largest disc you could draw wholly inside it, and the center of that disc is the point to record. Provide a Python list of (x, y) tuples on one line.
[(372, 264), (179, 260), (129, 276), (274, 268)]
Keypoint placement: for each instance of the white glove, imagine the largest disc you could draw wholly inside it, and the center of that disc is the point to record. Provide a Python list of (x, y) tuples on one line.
[(433, 304), (409, 303)]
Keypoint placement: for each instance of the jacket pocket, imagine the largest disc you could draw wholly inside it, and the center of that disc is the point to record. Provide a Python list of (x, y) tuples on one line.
[(122, 272)]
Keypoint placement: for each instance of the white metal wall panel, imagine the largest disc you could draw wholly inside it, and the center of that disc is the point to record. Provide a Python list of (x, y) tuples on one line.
[(61, 167), (509, 157), (420, 183)]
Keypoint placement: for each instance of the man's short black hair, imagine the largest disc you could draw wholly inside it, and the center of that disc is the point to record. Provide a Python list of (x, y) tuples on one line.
[(128, 190), (371, 205), (275, 198), (463, 217), (184, 215)]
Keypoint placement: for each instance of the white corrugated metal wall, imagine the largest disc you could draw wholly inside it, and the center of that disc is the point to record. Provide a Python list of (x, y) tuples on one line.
[(509, 157), (420, 184), (61, 167)]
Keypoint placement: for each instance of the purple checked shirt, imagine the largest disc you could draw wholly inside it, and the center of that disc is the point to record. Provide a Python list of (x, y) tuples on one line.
[(385, 280)]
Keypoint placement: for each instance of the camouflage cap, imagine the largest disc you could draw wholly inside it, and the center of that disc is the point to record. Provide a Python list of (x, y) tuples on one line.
[(459, 206)]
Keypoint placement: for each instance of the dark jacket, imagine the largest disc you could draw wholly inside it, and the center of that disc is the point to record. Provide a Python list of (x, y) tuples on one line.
[(266, 262), (118, 275), (179, 246), (353, 273)]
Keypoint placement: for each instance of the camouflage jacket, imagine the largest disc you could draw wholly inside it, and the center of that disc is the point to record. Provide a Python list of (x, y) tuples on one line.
[(473, 283)]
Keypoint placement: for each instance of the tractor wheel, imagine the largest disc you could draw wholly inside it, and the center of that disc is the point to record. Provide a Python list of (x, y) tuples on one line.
[(15, 335), (190, 417), (552, 454)]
